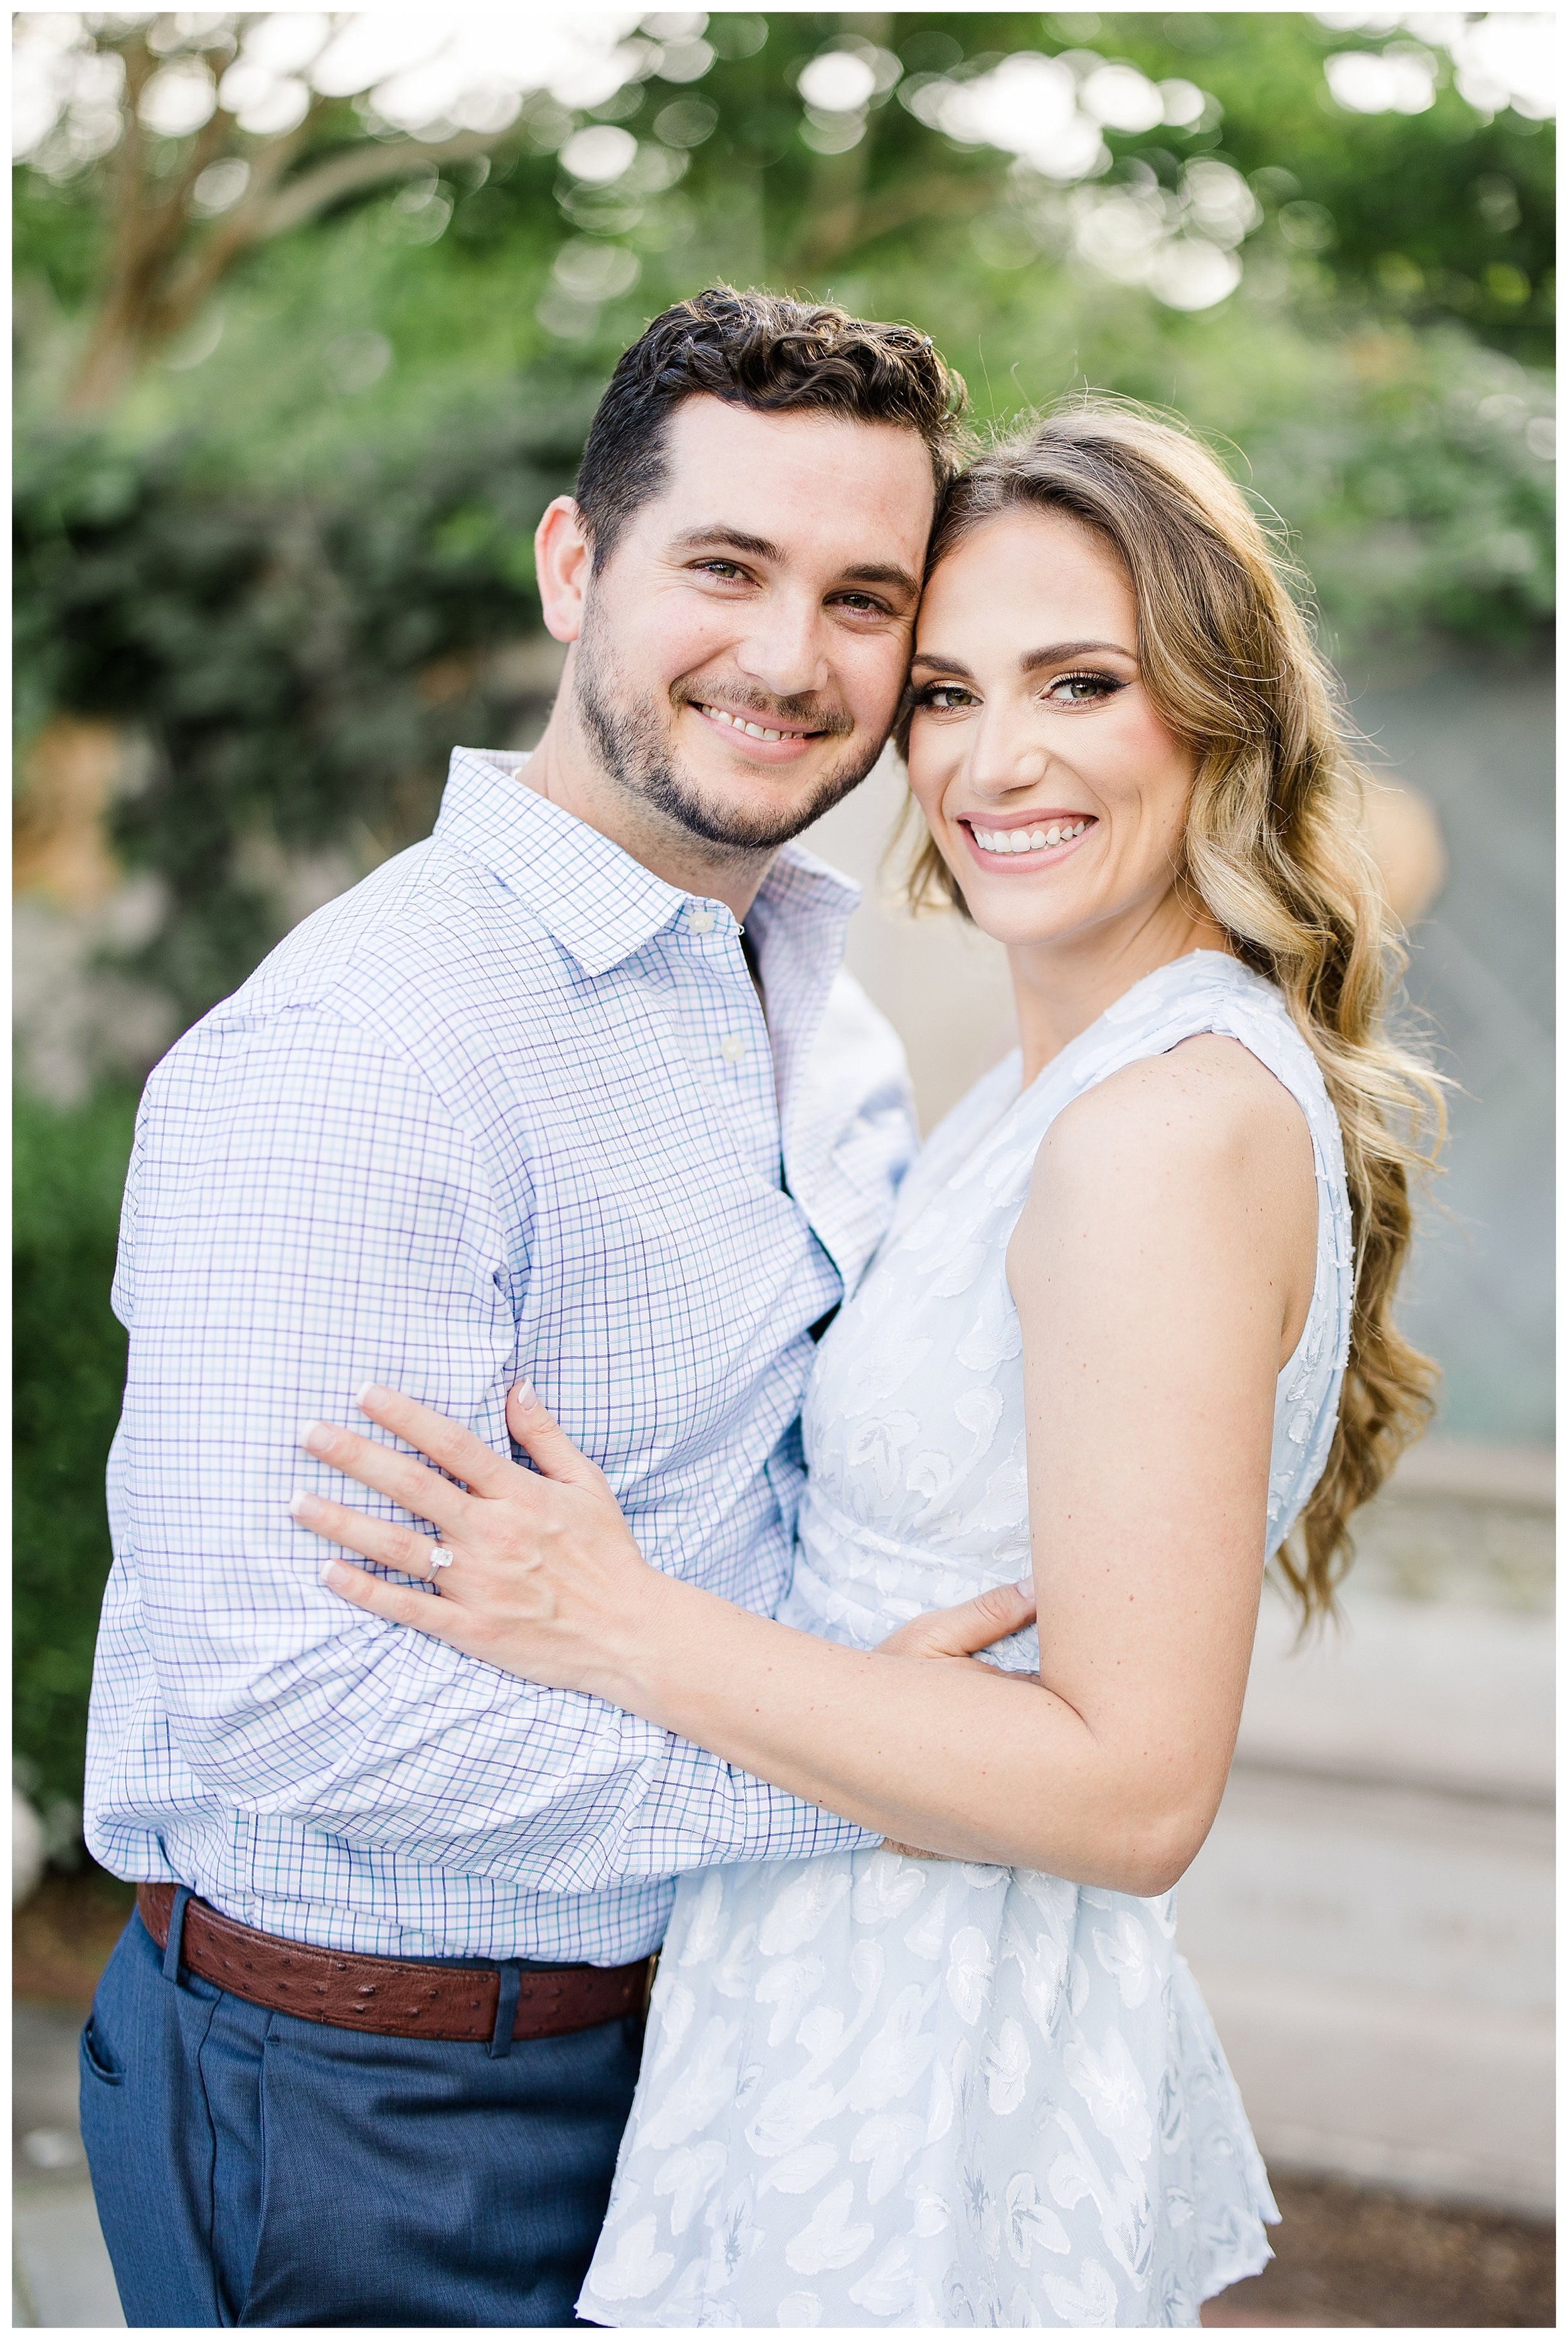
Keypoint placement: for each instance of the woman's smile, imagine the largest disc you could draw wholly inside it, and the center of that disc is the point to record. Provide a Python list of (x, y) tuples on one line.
[(1040, 839)]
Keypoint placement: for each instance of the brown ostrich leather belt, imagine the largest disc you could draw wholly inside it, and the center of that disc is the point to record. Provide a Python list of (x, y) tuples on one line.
[(401, 1998)]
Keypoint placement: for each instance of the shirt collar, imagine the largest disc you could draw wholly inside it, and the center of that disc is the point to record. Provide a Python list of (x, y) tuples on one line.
[(586, 892)]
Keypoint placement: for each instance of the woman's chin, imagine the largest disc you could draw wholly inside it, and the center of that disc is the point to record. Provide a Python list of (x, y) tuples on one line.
[(1015, 919)]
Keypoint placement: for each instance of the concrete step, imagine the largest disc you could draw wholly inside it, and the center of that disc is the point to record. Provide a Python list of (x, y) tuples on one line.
[(1452, 1697), (1372, 1918)]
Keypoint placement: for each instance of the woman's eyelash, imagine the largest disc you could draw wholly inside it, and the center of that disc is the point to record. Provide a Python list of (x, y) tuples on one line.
[(1106, 685)]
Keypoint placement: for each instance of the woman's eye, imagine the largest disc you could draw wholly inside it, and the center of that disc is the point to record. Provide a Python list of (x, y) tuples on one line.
[(1083, 689), (944, 697)]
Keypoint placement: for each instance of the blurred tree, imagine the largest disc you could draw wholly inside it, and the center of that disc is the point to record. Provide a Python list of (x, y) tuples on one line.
[(190, 183), (167, 149)]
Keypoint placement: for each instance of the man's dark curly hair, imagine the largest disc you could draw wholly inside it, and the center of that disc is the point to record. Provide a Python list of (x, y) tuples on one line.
[(754, 349)]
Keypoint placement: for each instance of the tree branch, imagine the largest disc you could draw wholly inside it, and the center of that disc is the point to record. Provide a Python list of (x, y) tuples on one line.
[(346, 174), (850, 225)]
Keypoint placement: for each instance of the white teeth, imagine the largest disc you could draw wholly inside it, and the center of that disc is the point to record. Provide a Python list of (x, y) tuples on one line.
[(738, 723), (1027, 840)]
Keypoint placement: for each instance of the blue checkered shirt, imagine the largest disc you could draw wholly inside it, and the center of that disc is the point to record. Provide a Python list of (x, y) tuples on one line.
[(510, 1105)]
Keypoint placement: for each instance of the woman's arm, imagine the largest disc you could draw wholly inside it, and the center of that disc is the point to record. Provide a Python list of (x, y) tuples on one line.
[(1161, 1269)]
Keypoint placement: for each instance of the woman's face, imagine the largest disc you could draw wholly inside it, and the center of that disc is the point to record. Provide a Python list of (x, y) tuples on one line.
[(1054, 789)]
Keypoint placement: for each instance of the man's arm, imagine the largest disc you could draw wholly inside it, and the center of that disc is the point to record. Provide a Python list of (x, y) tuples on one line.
[(305, 1216)]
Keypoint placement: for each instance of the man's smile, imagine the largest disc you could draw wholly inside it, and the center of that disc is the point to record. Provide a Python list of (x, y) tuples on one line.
[(776, 741)]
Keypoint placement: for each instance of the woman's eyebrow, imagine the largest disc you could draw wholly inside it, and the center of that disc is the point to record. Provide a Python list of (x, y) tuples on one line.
[(1030, 659), (1058, 651)]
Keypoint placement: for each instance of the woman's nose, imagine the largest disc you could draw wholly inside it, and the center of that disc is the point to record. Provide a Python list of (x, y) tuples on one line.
[(1007, 752)]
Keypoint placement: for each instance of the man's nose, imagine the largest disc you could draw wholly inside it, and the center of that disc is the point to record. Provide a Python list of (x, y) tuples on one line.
[(783, 650)]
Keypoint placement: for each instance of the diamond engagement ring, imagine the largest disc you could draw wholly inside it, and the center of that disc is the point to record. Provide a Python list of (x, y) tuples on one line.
[(440, 1558)]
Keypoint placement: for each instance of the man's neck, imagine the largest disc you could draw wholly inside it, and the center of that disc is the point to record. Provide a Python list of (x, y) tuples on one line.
[(564, 769)]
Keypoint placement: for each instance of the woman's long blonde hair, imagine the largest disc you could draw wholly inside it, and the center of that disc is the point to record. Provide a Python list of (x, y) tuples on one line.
[(1274, 851)]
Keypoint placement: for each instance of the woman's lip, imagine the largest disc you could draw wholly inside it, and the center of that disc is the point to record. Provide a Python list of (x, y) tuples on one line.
[(1039, 857), (1058, 813)]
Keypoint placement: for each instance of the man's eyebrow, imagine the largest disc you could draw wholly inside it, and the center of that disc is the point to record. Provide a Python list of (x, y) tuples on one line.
[(694, 540), (882, 572)]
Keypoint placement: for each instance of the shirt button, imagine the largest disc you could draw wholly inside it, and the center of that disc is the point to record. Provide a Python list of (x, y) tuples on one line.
[(700, 922), (733, 1047)]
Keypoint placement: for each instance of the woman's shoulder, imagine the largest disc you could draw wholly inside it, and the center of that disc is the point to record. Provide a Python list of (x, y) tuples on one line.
[(1212, 995), (1208, 1103)]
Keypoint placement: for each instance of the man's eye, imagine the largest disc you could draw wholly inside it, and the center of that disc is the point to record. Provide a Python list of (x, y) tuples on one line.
[(725, 570)]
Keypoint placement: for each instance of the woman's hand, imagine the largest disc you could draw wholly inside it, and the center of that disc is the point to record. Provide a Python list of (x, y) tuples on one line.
[(536, 1570)]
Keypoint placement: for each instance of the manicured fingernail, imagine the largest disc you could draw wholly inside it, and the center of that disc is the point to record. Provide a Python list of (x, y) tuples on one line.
[(1026, 1585), (526, 1395), (317, 1437), (371, 1394), (334, 1575), (302, 1504)]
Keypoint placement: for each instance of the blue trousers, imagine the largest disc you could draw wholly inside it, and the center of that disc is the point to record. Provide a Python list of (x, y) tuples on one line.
[(253, 2168)]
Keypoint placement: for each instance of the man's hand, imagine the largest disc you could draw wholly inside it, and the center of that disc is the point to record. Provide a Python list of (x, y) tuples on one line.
[(970, 1625), (956, 1634)]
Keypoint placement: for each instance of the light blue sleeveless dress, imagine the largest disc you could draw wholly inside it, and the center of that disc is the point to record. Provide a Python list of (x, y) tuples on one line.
[(885, 2091)]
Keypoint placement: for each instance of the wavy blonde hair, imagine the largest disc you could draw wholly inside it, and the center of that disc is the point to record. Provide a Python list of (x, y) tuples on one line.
[(1274, 851)]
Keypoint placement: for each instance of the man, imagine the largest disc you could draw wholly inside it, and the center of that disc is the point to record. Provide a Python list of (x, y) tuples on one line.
[(576, 1090)]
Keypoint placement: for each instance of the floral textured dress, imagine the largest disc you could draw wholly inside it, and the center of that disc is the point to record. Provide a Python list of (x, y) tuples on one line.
[(885, 2091)]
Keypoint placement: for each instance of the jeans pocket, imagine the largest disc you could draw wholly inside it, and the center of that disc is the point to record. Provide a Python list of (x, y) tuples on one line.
[(98, 2062)]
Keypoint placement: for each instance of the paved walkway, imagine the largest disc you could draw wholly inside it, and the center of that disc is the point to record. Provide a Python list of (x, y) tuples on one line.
[(62, 2279)]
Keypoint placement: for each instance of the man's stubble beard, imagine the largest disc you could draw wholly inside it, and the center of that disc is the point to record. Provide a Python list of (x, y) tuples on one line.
[(635, 755)]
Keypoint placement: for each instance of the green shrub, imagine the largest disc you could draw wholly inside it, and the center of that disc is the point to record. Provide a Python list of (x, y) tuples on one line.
[(70, 1371), (297, 663)]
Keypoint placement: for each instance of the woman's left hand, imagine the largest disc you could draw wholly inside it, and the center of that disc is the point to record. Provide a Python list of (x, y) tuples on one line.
[(536, 1570)]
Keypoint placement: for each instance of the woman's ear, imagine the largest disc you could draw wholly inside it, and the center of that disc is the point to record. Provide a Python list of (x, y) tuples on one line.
[(563, 557)]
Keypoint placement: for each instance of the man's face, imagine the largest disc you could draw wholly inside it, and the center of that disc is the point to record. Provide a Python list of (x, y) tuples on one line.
[(744, 646)]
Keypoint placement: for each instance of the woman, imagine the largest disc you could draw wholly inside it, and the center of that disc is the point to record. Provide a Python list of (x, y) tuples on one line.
[(1130, 1328)]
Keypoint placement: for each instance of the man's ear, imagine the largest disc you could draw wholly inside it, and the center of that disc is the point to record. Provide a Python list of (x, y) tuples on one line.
[(563, 557)]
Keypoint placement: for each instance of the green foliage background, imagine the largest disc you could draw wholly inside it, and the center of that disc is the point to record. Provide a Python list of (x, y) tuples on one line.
[(70, 1366), (293, 576)]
